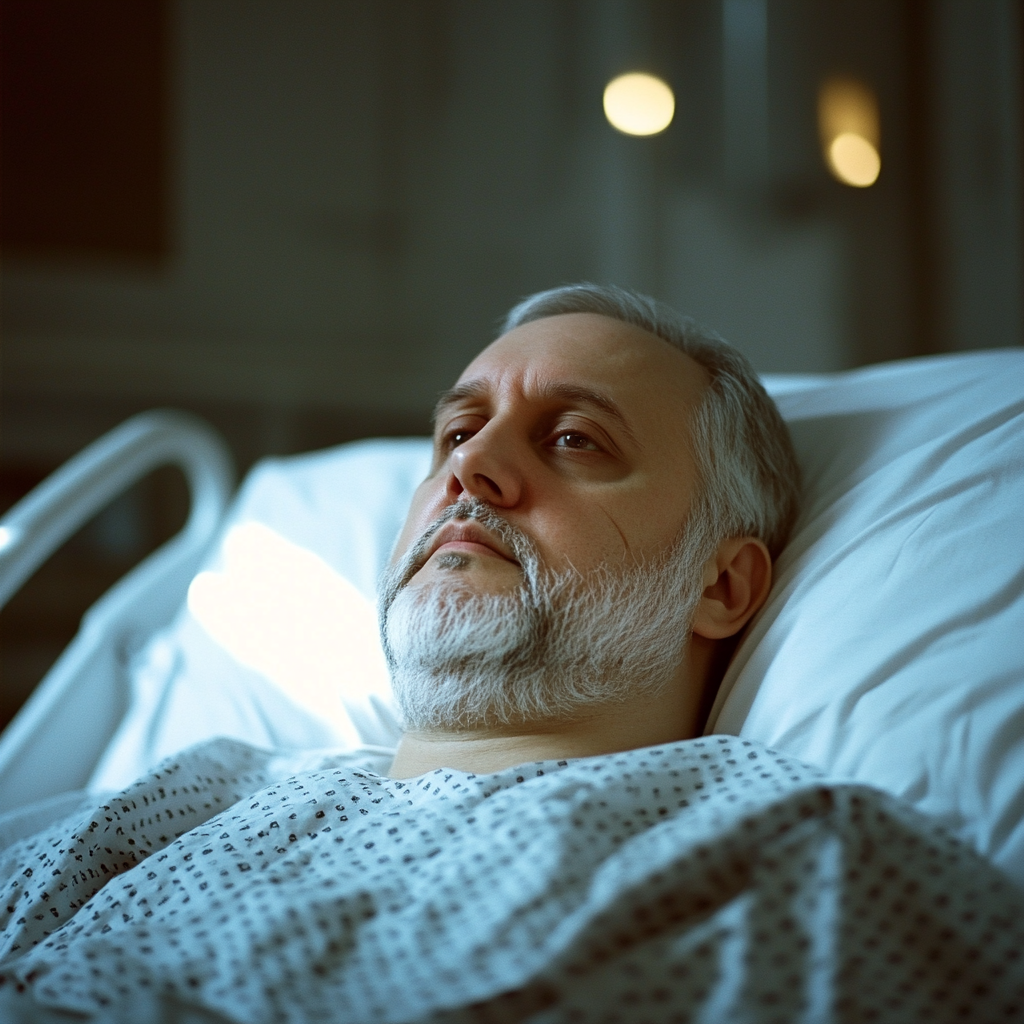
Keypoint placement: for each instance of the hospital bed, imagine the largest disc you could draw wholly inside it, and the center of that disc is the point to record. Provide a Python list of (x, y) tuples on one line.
[(891, 651)]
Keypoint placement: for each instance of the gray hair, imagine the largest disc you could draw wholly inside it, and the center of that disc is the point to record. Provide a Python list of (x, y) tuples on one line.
[(742, 447)]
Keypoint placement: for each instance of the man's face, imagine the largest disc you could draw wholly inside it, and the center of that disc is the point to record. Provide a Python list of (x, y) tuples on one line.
[(575, 430)]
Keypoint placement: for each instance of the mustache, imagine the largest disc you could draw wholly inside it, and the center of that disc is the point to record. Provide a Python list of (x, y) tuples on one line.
[(522, 547)]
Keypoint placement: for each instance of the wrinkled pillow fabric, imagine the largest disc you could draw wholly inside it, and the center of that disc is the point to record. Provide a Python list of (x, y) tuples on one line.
[(345, 506), (890, 652)]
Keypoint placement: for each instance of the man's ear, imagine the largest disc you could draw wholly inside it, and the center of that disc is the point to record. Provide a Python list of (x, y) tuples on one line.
[(737, 579)]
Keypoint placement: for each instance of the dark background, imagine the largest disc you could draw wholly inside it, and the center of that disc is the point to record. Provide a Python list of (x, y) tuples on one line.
[(301, 218)]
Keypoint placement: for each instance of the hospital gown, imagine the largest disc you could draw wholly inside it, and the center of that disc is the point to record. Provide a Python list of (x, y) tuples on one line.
[(710, 880)]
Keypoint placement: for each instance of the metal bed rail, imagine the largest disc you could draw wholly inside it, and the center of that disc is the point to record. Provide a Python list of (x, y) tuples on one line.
[(54, 741)]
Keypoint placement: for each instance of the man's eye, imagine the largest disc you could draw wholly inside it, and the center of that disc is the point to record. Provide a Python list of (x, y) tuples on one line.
[(457, 437), (578, 442)]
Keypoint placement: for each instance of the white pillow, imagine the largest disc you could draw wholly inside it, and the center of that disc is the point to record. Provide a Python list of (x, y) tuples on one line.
[(277, 644), (890, 650)]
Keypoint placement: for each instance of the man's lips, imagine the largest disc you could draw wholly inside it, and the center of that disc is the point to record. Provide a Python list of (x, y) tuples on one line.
[(465, 535)]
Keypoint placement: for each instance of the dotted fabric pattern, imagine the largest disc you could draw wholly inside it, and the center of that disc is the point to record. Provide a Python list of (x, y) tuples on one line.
[(710, 880)]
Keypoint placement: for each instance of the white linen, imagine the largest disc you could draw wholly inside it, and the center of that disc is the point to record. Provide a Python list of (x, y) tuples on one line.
[(713, 879), (891, 650), (346, 506)]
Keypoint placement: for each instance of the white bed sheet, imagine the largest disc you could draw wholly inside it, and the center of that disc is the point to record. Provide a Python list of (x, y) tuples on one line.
[(711, 879), (891, 650)]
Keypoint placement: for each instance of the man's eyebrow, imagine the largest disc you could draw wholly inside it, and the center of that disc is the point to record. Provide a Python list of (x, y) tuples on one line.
[(588, 396), (574, 393), (459, 393)]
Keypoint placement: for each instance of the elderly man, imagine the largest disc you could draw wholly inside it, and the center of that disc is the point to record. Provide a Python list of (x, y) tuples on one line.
[(551, 843), (609, 486)]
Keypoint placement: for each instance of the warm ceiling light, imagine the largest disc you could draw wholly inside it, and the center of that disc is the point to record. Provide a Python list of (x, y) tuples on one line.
[(639, 104), (848, 124), (853, 160)]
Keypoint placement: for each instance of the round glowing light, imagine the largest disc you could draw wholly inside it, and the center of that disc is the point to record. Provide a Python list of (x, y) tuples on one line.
[(850, 128), (853, 160), (639, 104)]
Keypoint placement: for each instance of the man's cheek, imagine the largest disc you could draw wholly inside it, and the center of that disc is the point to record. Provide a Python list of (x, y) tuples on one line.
[(416, 522), (402, 544)]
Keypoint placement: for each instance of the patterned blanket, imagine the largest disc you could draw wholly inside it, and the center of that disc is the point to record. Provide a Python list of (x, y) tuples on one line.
[(710, 880)]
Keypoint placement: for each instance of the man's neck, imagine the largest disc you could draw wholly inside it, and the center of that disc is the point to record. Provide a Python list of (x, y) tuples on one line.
[(667, 718), (677, 713)]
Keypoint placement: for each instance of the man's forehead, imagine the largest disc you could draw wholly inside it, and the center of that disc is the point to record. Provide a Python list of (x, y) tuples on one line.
[(608, 358)]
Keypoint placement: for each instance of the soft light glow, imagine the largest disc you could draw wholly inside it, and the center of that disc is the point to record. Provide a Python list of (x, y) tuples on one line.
[(853, 160), (848, 124), (281, 610), (639, 104), (7, 536)]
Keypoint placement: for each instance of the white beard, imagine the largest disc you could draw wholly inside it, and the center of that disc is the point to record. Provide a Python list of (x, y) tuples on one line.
[(556, 648)]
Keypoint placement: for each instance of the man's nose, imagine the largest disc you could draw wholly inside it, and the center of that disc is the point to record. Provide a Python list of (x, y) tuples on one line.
[(486, 467)]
